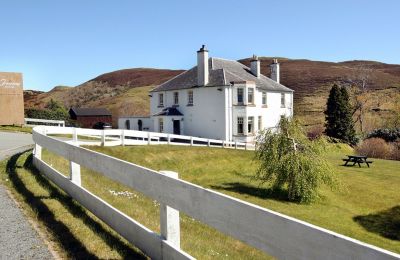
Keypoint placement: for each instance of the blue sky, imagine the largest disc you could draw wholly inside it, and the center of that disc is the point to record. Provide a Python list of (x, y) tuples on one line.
[(69, 42)]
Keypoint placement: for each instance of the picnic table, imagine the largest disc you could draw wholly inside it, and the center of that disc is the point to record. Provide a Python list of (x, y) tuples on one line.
[(357, 159)]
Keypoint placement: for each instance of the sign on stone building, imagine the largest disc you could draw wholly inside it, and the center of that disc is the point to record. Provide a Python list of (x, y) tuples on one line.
[(11, 99)]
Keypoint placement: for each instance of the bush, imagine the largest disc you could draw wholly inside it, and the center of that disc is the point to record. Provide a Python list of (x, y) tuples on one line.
[(389, 135), (375, 148), (315, 132)]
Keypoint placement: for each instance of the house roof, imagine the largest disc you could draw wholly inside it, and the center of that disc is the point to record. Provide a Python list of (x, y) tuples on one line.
[(169, 111), (90, 111), (222, 72)]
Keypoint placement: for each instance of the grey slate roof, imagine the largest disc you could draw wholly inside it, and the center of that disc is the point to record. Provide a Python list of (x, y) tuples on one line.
[(222, 72), (90, 111), (169, 111)]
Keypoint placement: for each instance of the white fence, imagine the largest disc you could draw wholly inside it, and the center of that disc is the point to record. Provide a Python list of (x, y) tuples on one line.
[(37, 121), (274, 233)]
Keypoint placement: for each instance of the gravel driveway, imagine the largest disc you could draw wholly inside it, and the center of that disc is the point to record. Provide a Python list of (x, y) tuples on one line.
[(18, 239)]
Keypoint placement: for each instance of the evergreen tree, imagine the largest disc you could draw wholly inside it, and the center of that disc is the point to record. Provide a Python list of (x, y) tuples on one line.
[(339, 123)]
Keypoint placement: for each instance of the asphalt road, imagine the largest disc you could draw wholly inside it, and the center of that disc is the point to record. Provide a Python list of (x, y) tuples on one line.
[(18, 239)]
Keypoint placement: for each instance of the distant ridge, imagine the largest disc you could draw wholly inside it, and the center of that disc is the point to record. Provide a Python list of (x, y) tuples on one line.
[(125, 91)]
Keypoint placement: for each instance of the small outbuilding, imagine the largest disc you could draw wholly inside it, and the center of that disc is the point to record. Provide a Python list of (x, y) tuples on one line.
[(90, 117)]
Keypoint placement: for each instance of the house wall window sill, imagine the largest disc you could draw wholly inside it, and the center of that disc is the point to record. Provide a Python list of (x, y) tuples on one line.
[(189, 105)]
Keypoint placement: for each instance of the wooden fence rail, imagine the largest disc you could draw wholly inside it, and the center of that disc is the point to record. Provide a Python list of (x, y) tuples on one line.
[(274, 233)]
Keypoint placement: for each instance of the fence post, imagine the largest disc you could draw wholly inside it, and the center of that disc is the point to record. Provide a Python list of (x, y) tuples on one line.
[(191, 141), (168, 139), (245, 146), (38, 149), (75, 135), (75, 170), (223, 143), (169, 219), (208, 142), (148, 138), (235, 144), (103, 137), (123, 137)]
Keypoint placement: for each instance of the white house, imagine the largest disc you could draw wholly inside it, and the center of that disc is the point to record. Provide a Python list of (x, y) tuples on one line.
[(221, 99)]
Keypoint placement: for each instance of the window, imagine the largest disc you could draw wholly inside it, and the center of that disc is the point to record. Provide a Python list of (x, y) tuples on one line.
[(250, 96), (259, 122), (161, 100), (128, 124), (250, 121), (240, 96), (160, 125), (240, 125), (264, 98), (190, 98), (283, 102), (176, 98)]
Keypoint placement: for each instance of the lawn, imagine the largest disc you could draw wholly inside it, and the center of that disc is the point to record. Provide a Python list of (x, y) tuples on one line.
[(367, 207), (24, 129)]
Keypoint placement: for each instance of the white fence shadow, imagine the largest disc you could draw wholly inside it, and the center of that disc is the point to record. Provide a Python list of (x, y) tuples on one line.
[(274, 233)]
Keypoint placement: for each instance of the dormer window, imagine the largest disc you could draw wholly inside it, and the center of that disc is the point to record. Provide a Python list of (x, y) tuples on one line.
[(283, 101), (160, 99), (250, 96), (240, 96)]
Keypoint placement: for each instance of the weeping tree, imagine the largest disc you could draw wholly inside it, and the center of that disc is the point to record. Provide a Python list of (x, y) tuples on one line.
[(290, 161)]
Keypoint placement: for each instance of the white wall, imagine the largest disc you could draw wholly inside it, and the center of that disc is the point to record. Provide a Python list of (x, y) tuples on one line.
[(147, 123), (206, 118), (215, 110)]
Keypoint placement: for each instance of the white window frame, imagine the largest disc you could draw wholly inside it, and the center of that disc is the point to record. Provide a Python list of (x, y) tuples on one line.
[(242, 95), (264, 98), (160, 99), (161, 125), (283, 100), (176, 98), (250, 96), (259, 123), (190, 97), (240, 120), (250, 124)]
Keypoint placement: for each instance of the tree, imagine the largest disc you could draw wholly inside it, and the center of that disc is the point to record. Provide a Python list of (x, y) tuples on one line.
[(289, 160), (53, 111), (359, 81), (338, 116)]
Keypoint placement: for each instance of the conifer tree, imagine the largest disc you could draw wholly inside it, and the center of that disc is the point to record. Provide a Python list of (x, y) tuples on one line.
[(339, 123)]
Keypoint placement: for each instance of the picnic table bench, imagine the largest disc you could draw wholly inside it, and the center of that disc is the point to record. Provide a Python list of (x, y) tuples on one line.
[(357, 159)]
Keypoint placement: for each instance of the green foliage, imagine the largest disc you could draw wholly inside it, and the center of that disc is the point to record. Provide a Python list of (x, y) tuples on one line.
[(53, 111), (338, 115), (289, 160), (389, 135)]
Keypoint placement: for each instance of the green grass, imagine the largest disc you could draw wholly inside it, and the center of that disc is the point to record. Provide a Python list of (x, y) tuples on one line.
[(16, 129), (366, 208)]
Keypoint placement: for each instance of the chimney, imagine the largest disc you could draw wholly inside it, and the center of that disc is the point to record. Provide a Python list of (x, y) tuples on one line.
[(275, 74), (202, 66), (255, 66)]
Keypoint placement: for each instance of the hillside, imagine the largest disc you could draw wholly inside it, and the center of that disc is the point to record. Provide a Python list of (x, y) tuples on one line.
[(124, 92)]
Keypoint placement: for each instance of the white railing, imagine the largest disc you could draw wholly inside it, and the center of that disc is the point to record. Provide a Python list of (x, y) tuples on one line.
[(274, 233), (59, 123), (114, 137)]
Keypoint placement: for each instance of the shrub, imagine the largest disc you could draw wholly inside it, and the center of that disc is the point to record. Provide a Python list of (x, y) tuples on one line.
[(374, 147), (315, 132), (288, 162), (389, 135)]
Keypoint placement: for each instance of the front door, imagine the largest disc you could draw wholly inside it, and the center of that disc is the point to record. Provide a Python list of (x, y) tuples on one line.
[(177, 127)]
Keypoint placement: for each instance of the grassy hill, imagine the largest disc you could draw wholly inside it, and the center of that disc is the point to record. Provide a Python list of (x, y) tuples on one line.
[(124, 91)]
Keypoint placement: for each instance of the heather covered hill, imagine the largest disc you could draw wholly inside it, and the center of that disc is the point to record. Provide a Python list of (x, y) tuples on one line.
[(124, 92)]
